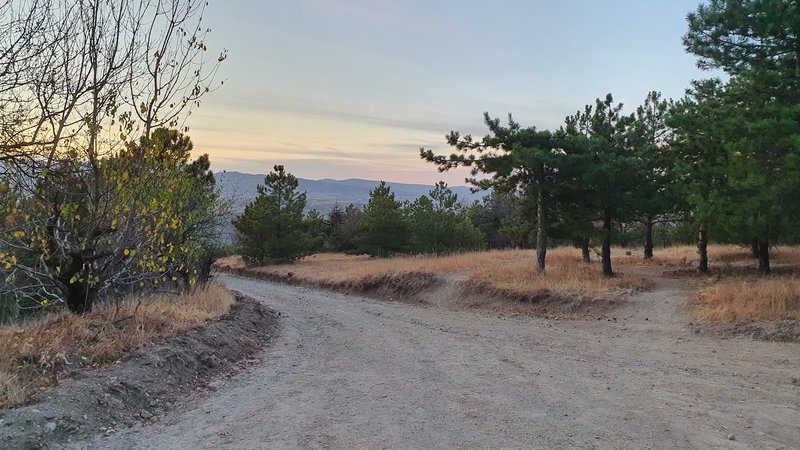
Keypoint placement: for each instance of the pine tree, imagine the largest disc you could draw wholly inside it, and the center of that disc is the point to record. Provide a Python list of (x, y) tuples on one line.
[(383, 230), (757, 43), (272, 228), (606, 174), (439, 225)]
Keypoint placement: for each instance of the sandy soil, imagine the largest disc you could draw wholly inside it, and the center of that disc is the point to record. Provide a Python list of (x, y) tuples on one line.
[(348, 372)]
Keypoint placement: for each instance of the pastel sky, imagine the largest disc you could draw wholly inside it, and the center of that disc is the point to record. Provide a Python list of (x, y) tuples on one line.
[(353, 88)]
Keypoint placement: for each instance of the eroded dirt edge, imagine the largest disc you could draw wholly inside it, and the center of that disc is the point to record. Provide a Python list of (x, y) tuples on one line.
[(426, 288), (142, 386)]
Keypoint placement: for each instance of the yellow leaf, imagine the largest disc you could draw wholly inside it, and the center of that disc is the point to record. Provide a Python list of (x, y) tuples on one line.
[(126, 252)]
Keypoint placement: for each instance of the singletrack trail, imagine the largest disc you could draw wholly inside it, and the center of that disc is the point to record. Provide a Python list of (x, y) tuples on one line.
[(350, 372)]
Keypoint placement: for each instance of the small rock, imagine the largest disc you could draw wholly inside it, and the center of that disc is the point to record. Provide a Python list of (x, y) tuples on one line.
[(731, 437), (145, 414), (50, 427)]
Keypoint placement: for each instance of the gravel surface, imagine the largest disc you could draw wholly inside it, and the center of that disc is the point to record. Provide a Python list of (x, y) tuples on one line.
[(348, 372)]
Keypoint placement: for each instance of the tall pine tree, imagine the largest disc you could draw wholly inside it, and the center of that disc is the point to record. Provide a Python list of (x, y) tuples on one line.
[(272, 228)]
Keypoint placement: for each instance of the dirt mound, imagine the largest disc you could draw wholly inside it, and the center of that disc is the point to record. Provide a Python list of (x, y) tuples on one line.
[(543, 304), (451, 292), (407, 287), (141, 386)]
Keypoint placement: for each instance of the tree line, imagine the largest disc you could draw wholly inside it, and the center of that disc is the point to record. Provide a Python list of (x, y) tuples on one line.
[(722, 163), (274, 228), (723, 160)]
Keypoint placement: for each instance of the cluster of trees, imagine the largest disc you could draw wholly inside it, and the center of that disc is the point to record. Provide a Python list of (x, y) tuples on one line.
[(99, 195), (274, 229), (724, 160)]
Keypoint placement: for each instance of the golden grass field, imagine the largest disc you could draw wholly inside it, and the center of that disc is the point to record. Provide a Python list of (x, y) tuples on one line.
[(733, 292), (503, 271), (721, 257), (739, 299), (36, 355)]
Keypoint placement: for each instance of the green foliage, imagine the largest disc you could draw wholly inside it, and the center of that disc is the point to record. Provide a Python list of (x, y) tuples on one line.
[(490, 215), (609, 177), (383, 230), (272, 228), (438, 224), (515, 159), (748, 129), (344, 225), (319, 228), (740, 36), (141, 219)]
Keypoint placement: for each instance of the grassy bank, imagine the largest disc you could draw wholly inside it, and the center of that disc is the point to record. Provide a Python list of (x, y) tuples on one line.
[(505, 273), (747, 299), (37, 355)]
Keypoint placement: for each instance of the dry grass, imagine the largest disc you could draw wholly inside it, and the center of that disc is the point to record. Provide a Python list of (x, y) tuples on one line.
[(724, 258), (331, 268), (564, 279), (774, 298), (734, 292), (508, 273), (37, 355)]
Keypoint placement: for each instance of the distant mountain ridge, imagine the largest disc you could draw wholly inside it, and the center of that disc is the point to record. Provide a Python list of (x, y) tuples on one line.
[(240, 188)]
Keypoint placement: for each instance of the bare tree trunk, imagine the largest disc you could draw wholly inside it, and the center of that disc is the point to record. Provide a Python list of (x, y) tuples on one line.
[(702, 250), (541, 233), (763, 257), (585, 251), (754, 248), (606, 253), (648, 238)]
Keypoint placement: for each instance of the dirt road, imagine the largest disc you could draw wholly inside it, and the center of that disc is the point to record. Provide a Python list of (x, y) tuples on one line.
[(348, 372)]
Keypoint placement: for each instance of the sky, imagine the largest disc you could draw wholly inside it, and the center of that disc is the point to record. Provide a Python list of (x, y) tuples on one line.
[(353, 88)]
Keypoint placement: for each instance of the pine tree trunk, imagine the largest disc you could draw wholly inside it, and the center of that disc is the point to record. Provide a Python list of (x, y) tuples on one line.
[(648, 238), (606, 253), (585, 251), (541, 233), (702, 250), (754, 249), (763, 258)]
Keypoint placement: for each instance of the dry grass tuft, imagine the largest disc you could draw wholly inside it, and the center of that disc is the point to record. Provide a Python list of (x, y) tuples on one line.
[(767, 299), (37, 355)]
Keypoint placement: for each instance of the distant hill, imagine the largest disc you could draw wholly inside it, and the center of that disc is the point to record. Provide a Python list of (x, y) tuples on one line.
[(240, 188)]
